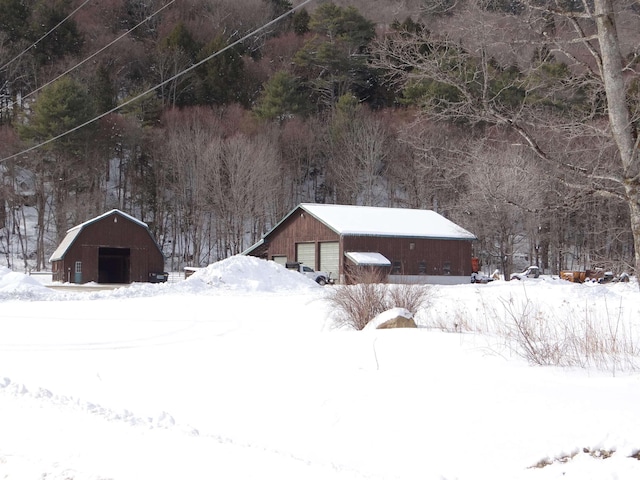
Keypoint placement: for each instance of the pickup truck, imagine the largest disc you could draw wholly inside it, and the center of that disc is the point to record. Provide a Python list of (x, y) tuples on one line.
[(321, 278), (530, 272)]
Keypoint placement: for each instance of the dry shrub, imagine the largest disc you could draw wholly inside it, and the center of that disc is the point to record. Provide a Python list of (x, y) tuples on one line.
[(575, 339), (356, 305), (411, 297)]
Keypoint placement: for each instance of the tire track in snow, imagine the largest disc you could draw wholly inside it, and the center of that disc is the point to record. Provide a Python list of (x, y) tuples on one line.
[(172, 337), (164, 421)]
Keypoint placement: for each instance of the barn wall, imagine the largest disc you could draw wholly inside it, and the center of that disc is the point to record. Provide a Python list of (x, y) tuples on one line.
[(410, 252), (145, 257), (298, 228)]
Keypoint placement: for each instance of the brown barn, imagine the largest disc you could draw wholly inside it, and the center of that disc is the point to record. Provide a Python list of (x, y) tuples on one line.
[(111, 248), (410, 246)]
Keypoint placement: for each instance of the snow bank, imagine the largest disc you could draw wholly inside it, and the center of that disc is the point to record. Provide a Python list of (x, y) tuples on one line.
[(251, 274), (15, 285)]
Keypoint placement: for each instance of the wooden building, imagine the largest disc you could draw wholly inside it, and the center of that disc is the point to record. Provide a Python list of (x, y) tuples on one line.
[(111, 248), (406, 245)]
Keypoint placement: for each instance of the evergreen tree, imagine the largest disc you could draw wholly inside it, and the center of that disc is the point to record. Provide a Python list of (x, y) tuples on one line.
[(335, 61), (281, 98), (102, 90), (64, 39), (14, 19), (221, 78), (61, 107), (301, 21), (181, 39)]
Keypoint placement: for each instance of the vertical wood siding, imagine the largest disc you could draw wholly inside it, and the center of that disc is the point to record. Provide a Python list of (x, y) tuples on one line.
[(145, 256)]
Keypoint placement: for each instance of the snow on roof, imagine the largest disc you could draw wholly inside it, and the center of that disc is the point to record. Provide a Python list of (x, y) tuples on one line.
[(66, 242), (389, 222), (73, 232), (368, 258), (100, 217)]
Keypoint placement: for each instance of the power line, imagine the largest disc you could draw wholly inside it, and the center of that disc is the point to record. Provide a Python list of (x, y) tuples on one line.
[(99, 51), (44, 36), (146, 92)]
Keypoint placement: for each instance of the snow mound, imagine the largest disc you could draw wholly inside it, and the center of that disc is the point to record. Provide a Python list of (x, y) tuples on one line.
[(17, 286), (251, 274)]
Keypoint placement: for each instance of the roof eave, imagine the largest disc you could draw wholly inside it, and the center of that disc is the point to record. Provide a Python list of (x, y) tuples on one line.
[(425, 237)]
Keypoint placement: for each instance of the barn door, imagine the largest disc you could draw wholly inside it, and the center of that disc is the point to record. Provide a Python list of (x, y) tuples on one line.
[(77, 272), (306, 253), (330, 259)]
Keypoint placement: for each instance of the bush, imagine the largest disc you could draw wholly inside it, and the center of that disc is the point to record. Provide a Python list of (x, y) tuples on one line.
[(574, 339), (356, 305)]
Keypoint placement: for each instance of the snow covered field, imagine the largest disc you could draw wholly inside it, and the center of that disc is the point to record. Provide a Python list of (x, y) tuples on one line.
[(240, 373)]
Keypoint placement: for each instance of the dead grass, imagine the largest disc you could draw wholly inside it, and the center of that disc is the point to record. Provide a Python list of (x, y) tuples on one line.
[(544, 334)]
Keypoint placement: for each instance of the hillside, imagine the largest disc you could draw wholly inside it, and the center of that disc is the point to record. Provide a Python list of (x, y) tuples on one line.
[(210, 121)]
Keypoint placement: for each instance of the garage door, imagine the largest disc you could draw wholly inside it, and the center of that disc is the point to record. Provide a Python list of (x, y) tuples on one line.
[(306, 253), (280, 259), (329, 258)]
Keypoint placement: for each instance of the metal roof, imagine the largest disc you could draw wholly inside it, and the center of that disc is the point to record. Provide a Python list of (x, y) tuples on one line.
[(386, 222)]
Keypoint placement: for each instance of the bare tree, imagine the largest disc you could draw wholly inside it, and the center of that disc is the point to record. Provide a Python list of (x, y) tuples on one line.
[(579, 60), (427, 167), (359, 154), (242, 183), (186, 155), (504, 203)]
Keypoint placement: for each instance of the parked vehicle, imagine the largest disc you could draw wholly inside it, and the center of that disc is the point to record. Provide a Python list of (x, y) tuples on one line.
[(477, 277), (321, 278), (529, 272), (594, 276)]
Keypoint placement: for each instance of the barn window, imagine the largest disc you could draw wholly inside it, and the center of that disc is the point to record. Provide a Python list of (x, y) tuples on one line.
[(446, 267), (412, 246), (78, 267), (396, 268), (422, 268)]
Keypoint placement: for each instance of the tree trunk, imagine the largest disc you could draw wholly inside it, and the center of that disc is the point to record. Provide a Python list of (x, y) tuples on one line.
[(619, 118)]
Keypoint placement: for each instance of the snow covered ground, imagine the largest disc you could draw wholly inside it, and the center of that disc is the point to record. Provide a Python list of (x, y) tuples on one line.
[(240, 373)]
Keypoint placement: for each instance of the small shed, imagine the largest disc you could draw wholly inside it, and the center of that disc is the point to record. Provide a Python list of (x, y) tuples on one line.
[(405, 245), (111, 248)]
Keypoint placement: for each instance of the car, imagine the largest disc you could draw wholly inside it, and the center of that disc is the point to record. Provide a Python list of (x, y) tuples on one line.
[(530, 272)]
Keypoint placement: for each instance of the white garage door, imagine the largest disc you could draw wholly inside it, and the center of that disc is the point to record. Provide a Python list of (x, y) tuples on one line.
[(329, 258), (306, 253), (280, 259)]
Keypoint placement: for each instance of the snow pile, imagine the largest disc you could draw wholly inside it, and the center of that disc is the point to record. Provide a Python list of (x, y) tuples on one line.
[(251, 274), (15, 285)]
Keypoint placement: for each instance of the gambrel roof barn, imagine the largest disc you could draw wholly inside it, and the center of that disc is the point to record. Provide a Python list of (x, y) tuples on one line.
[(419, 246), (111, 248)]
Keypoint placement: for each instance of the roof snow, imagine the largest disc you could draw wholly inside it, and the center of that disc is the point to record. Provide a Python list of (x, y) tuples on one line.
[(386, 222), (368, 259), (73, 232)]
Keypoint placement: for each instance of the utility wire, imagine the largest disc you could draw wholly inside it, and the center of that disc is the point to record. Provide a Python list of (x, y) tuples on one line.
[(146, 92), (99, 51), (43, 37)]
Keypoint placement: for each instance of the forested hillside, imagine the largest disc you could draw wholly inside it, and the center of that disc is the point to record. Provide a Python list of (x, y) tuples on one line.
[(209, 121)]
